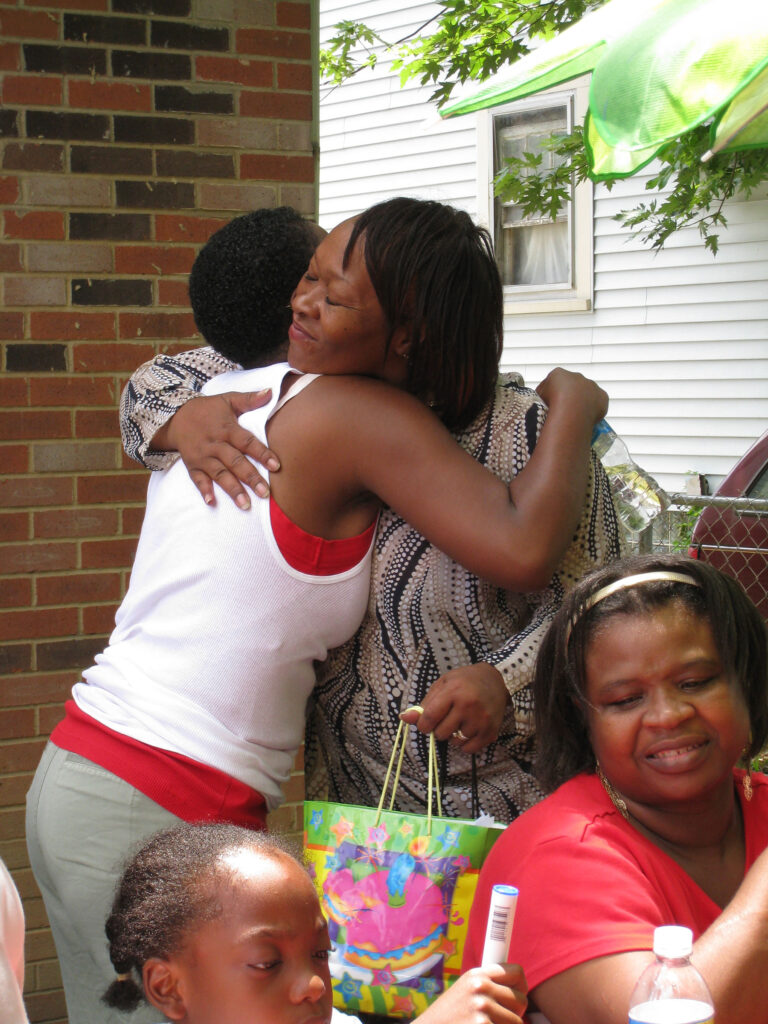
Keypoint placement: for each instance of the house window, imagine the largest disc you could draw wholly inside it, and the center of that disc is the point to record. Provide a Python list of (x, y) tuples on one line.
[(545, 265), (530, 250)]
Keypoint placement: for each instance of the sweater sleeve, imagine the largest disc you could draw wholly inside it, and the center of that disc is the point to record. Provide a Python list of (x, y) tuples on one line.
[(156, 391), (597, 542)]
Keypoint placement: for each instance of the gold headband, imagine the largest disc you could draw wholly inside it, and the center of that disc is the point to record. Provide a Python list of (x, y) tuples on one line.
[(622, 584), (124, 977)]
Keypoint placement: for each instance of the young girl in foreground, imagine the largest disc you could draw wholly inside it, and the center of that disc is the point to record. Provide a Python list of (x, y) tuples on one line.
[(216, 924)]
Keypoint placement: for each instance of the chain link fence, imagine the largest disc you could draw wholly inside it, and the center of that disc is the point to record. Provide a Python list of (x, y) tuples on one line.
[(729, 533)]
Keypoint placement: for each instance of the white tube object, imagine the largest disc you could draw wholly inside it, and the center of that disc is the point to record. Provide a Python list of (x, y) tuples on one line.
[(498, 931)]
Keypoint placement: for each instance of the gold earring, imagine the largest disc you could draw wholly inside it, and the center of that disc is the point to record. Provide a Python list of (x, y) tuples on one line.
[(746, 782)]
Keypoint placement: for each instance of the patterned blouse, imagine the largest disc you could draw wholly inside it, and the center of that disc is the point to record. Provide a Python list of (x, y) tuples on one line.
[(426, 615)]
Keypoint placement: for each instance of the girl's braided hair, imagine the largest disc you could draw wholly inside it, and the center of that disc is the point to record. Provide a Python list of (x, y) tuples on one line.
[(168, 888)]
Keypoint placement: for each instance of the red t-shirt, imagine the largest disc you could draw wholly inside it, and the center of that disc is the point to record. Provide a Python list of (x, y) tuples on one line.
[(590, 884)]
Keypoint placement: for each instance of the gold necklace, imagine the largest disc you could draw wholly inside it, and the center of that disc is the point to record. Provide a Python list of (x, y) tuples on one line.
[(617, 801)]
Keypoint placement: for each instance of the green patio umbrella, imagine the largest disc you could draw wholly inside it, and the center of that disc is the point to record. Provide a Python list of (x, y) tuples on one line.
[(659, 68)]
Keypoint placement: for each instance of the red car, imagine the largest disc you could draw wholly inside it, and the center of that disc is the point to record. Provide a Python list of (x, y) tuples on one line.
[(735, 539)]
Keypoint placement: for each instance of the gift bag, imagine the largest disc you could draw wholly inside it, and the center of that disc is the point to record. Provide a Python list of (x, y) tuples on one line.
[(396, 889)]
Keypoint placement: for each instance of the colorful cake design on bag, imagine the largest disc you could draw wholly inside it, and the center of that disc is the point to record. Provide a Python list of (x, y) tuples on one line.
[(390, 915)]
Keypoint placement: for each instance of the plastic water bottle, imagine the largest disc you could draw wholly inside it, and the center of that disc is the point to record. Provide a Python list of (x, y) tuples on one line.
[(638, 497), (671, 990)]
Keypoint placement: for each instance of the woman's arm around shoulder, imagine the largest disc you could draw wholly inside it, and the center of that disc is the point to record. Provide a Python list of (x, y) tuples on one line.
[(512, 536)]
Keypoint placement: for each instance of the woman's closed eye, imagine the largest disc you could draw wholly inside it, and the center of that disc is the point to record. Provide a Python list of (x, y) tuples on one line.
[(697, 684), (622, 703)]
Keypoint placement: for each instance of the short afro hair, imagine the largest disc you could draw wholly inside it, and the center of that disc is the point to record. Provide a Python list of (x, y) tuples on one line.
[(242, 280)]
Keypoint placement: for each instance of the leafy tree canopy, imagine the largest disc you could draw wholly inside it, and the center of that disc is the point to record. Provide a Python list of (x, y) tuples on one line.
[(469, 40)]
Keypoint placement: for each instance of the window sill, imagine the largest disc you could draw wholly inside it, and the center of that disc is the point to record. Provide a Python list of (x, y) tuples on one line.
[(519, 306)]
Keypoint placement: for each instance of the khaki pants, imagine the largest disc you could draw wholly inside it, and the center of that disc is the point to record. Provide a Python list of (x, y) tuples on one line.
[(83, 823)]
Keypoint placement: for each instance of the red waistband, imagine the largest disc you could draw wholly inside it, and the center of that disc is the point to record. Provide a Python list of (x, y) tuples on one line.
[(313, 555), (190, 790)]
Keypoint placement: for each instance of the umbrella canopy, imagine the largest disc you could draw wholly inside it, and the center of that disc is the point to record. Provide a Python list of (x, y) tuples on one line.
[(660, 68)]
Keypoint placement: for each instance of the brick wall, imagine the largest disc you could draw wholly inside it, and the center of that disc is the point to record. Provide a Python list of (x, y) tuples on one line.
[(129, 131)]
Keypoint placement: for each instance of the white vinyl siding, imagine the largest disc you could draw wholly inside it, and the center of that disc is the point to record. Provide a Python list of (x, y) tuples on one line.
[(679, 338)]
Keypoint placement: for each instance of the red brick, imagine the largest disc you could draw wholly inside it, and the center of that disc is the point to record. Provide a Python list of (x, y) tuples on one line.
[(14, 526), (277, 168), (37, 689), (294, 106), (33, 423), (45, 1006), (33, 156), (33, 90), (75, 522), (274, 43), (14, 458), (20, 757), (9, 190), (101, 95), (108, 554), (10, 56), (71, 326), (294, 15), (157, 325), (178, 228), (110, 358), (16, 724), (97, 423), (294, 76), (99, 619), (15, 593), (253, 73), (39, 557), (111, 487), (49, 719), (13, 788), (43, 622), (79, 588), (172, 293), (70, 391), (17, 492), (15, 658), (145, 259), (47, 225), (28, 25), (12, 326), (10, 257), (12, 826), (13, 391), (132, 519)]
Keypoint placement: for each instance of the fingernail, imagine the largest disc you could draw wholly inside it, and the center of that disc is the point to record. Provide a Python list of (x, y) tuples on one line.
[(209, 499), (262, 490), (242, 501), (272, 464)]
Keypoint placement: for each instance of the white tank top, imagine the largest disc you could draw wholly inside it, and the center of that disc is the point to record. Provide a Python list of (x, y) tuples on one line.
[(213, 648)]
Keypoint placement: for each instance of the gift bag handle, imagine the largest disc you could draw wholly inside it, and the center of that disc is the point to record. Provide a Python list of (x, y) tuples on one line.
[(398, 752)]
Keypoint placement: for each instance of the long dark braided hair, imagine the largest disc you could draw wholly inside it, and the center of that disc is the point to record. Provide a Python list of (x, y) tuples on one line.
[(167, 888)]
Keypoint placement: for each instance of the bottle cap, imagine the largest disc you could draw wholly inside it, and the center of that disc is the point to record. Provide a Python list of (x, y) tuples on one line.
[(672, 941)]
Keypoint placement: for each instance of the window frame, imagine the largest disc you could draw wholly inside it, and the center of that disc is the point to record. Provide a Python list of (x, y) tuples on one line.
[(546, 298)]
